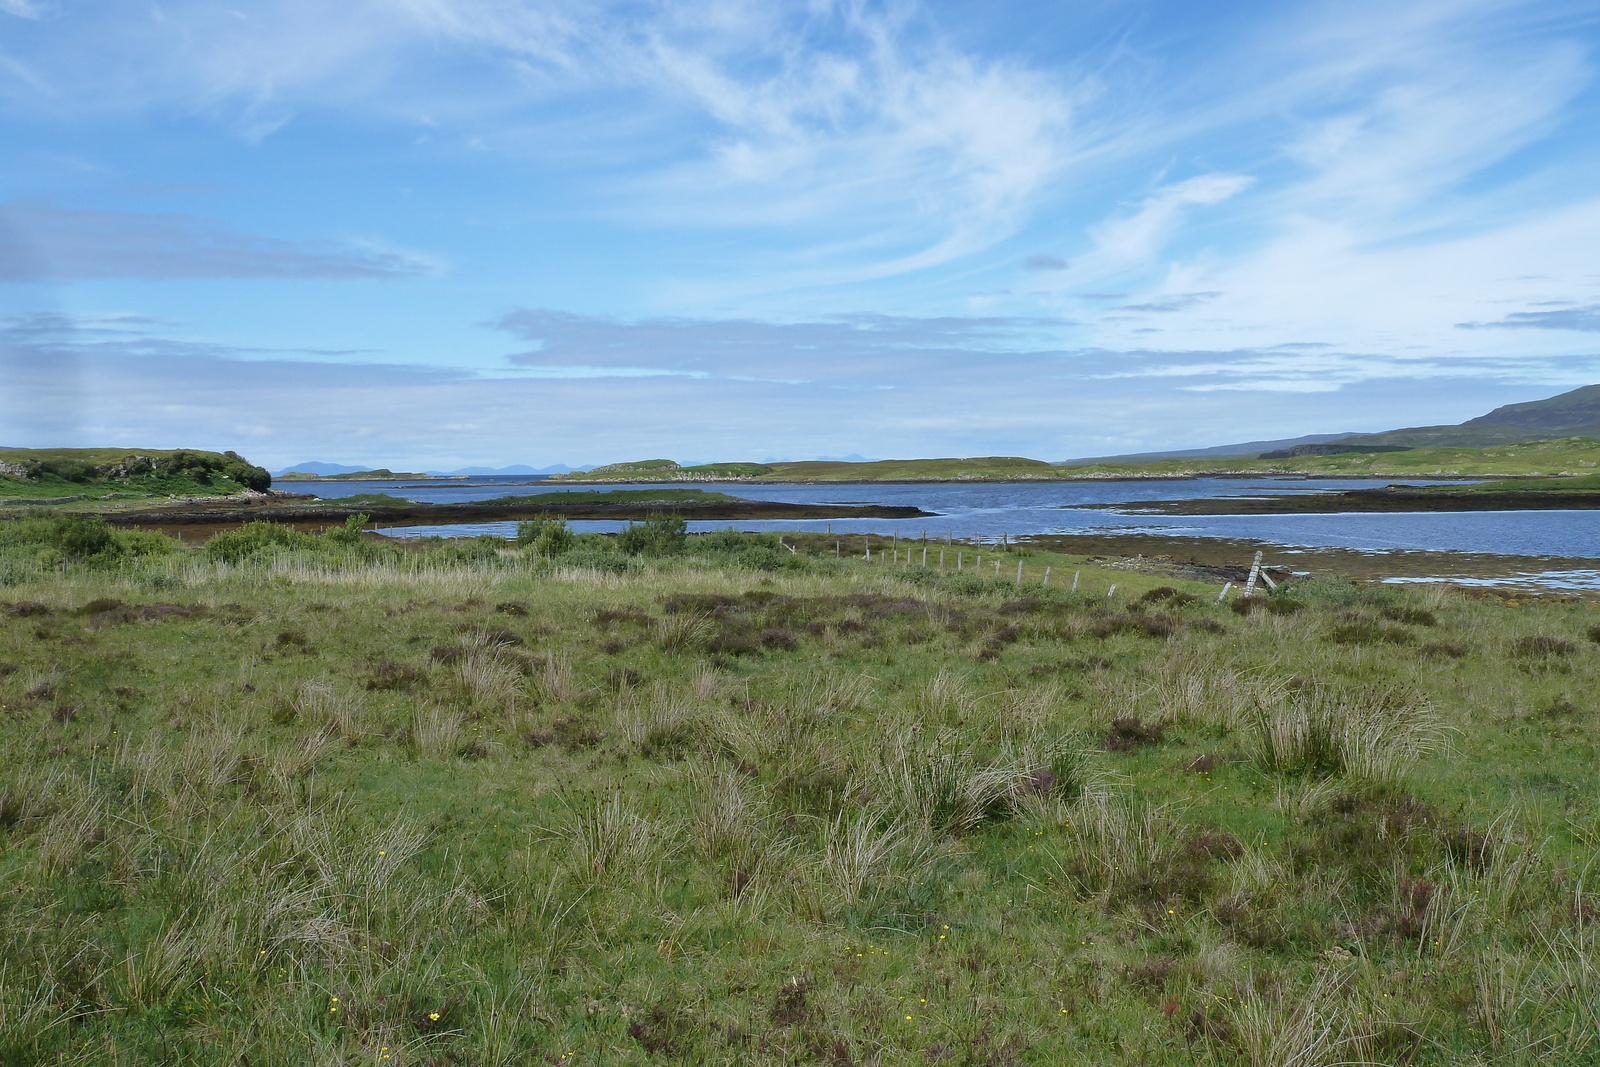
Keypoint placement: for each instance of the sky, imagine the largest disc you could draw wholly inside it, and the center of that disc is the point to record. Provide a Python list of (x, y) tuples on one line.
[(435, 233)]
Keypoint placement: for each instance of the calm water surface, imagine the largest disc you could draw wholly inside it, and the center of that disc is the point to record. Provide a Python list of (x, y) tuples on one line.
[(985, 511)]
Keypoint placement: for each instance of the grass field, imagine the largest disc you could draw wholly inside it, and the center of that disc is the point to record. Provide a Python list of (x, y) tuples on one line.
[(337, 802)]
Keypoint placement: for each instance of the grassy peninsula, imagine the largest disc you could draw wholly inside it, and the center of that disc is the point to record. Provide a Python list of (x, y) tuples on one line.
[(1564, 457), (294, 798)]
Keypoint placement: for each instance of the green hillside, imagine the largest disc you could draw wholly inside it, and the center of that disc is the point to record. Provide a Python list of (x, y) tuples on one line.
[(985, 468), (1566, 457), (44, 474), (1575, 413)]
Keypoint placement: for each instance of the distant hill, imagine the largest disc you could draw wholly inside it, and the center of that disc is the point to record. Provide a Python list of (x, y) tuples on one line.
[(1571, 414), (1247, 448)]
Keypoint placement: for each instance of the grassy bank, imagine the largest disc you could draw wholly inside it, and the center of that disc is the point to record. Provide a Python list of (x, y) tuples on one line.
[(298, 799)]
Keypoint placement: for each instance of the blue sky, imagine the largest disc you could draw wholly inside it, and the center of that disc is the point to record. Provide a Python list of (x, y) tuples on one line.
[(430, 233)]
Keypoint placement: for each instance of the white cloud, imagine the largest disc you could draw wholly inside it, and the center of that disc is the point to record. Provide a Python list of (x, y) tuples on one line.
[(40, 240)]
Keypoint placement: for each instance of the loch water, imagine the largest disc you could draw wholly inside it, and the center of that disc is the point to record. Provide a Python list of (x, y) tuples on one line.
[(986, 511)]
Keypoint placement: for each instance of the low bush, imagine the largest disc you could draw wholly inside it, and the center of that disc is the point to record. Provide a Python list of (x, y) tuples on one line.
[(79, 538), (658, 535)]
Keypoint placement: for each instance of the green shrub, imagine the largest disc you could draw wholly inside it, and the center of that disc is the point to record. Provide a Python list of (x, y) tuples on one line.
[(658, 535), (596, 552), (548, 536), (350, 532), (255, 538)]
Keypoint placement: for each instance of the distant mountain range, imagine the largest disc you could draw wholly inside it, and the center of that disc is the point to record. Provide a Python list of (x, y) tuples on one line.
[(326, 469), (1570, 414)]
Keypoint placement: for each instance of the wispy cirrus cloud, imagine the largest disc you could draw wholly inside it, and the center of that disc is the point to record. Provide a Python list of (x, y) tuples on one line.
[(910, 150), (1584, 319), (47, 241)]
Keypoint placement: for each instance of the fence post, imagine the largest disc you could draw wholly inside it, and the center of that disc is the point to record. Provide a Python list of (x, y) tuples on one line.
[(1112, 591), (1019, 572), (1255, 569), (1075, 580), (1226, 586), (1047, 577)]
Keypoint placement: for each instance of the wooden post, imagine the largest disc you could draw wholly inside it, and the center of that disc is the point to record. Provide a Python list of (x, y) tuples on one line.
[(997, 568), (941, 561), (1075, 575), (836, 549), (924, 551), (1255, 570), (958, 563), (1047, 577), (1112, 591), (868, 540), (1019, 572), (1227, 586), (1265, 577)]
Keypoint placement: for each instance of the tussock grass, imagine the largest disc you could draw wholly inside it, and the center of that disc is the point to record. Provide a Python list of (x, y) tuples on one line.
[(489, 808)]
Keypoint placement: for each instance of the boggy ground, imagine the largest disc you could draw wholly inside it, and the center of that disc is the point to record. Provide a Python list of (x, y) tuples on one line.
[(473, 807)]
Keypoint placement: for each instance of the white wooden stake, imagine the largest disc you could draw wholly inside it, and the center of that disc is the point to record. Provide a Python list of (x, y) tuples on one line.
[(1047, 577), (1224, 592), (1111, 592), (1265, 577), (1019, 572), (1075, 575), (1255, 569)]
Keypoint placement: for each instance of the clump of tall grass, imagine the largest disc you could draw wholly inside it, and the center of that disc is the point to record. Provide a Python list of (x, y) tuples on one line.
[(860, 853), (319, 705), (610, 841), (436, 732), (1372, 735), (488, 683), (1305, 1027), (733, 827), (953, 791)]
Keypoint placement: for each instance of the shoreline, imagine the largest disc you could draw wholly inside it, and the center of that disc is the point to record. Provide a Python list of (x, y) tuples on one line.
[(1395, 499), (333, 513)]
